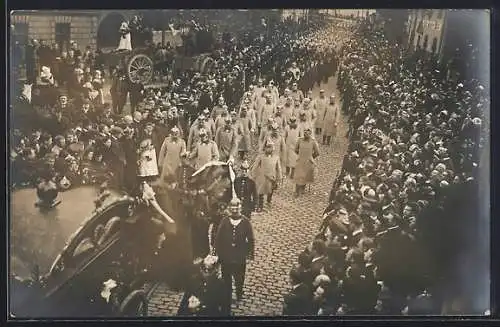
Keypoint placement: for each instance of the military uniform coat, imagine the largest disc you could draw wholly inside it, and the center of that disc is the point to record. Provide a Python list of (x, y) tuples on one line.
[(169, 158), (194, 135), (331, 117), (292, 135), (265, 171), (266, 110), (307, 151), (226, 139), (247, 192), (204, 153), (245, 137), (320, 106)]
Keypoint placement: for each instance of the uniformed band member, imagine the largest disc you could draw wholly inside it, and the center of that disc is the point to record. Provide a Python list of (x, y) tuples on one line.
[(245, 190), (234, 245)]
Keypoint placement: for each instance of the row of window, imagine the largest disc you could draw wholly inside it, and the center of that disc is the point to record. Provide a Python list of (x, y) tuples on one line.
[(426, 42), (62, 33)]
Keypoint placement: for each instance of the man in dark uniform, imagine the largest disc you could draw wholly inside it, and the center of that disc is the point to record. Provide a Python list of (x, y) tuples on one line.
[(234, 244), (245, 190)]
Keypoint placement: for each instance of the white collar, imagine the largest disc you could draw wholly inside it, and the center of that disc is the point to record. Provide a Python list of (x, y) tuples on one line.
[(235, 222)]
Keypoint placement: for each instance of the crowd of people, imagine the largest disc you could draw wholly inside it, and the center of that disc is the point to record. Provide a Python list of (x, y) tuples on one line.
[(414, 138)]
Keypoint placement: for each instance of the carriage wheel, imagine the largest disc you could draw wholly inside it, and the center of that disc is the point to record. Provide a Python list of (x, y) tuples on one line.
[(140, 69)]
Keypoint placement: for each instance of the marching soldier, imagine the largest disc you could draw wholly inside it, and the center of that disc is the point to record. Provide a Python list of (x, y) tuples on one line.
[(279, 119), (296, 93), (266, 130), (220, 120), (245, 130), (310, 112), (226, 139), (277, 139), (265, 111), (307, 150), (194, 133), (205, 150), (292, 135), (245, 190), (320, 105), (288, 109), (266, 172), (234, 245), (330, 121), (169, 157)]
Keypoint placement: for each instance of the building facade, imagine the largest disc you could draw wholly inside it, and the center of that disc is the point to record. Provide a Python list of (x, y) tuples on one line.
[(95, 28), (425, 29)]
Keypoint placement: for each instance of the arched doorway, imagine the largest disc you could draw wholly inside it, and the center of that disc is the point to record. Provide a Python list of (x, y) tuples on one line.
[(108, 33)]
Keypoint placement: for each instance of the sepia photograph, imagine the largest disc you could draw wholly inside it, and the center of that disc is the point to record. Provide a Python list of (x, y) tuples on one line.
[(241, 162)]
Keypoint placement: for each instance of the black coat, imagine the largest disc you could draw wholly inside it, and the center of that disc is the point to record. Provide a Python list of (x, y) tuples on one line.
[(298, 301), (247, 192), (235, 248), (208, 291)]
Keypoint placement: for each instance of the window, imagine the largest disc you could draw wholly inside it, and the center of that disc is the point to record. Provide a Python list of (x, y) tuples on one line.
[(426, 42), (434, 45), (63, 34), (21, 33)]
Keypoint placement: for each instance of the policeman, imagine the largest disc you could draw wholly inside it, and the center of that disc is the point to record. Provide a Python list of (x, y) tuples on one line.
[(245, 190), (234, 244)]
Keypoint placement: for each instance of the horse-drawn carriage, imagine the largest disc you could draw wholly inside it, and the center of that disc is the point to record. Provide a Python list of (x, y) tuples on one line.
[(147, 67), (63, 266)]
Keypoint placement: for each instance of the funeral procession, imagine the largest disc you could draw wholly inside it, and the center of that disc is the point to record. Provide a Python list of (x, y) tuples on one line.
[(244, 162)]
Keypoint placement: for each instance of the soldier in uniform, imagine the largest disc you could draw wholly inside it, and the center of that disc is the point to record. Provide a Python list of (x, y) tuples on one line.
[(288, 109), (245, 130), (205, 150), (197, 126), (265, 111), (307, 150), (277, 139), (226, 139), (296, 93), (292, 135), (234, 245), (245, 190), (266, 172), (169, 157), (320, 105), (330, 121)]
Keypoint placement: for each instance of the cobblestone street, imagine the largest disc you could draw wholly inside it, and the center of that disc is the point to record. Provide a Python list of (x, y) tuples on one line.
[(280, 234)]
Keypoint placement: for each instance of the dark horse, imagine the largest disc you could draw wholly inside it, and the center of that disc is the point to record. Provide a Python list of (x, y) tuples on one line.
[(211, 186)]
